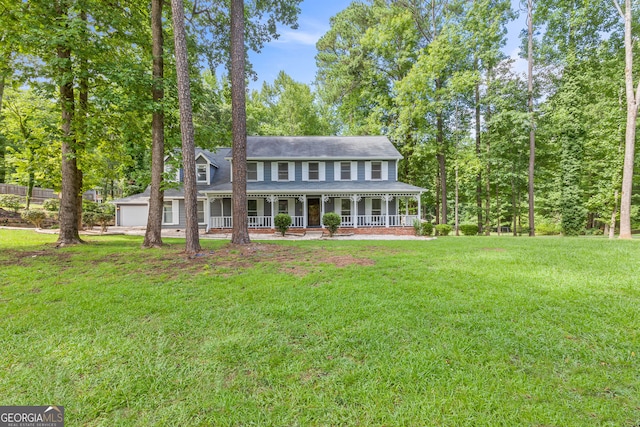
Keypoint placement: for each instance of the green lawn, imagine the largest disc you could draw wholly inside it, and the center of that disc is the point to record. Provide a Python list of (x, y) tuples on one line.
[(468, 331)]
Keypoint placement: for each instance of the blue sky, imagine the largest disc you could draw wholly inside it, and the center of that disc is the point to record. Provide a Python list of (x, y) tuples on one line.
[(295, 50)]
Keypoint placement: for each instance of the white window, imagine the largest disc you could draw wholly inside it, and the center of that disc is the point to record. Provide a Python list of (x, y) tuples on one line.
[(313, 171), (201, 212), (283, 206), (376, 171), (252, 171), (201, 172), (252, 207), (170, 214), (345, 207), (283, 171), (376, 207), (345, 171)]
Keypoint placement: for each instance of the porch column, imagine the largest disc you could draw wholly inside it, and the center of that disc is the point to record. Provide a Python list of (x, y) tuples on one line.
[(272, 201), (354, 210), (207, 214), (419, 206), (304, 212), (323, 199), (406, 205), (386, 219)]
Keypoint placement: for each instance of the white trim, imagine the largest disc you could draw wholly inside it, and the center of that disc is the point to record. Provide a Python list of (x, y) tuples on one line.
[(175, 212)]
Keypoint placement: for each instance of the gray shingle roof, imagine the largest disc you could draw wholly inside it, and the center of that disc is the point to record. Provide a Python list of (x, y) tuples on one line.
[(321, 147)]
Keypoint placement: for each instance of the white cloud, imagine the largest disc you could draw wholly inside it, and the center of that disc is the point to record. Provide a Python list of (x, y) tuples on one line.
[(519, 65), (298, 37)]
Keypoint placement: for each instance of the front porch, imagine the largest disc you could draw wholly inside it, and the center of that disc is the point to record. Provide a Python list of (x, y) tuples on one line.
[(364, 211)]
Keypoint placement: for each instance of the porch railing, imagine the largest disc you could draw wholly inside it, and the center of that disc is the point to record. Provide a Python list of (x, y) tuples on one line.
[(298, 221)]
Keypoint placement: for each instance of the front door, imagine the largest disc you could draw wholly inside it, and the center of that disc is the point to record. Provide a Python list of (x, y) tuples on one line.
[(313, 212)]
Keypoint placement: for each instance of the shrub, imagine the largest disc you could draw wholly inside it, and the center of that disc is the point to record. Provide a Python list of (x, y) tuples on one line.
[(332, 221), (104, 218), (593, 231), (90, 218), (547, 229), (443, 229), (10, 201), (426, 228), (51, 205), (469, 229), (282, 222), (417, 227), (35, 217)]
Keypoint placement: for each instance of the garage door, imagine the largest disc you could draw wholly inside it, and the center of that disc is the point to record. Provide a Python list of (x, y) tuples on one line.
[(133, 215)]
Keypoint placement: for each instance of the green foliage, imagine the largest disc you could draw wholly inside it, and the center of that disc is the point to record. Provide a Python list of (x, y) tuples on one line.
[(332, 221), (97, 213), (51, 205), (417, 227), (548, 228), (426, 228), (594, 231), (443, 229), (10, 201), (34, 216), (469, 229), (282, 222)]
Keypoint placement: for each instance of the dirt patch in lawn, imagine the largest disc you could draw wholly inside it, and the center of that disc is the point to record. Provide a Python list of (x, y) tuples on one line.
[(23, 257), (289, 259)]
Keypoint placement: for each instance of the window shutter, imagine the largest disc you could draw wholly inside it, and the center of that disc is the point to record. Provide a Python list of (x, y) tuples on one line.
[(354, 171), (175, 208), (305, 171), (260, 167), (336, 171), (367, 171), (321, 172), (292, 171), (385, 171)]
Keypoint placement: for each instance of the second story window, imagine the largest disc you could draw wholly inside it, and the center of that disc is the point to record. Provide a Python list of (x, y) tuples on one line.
[(252, 171), (376, 170), (314, 171), (345, 171), (283, 171), (201, 173)]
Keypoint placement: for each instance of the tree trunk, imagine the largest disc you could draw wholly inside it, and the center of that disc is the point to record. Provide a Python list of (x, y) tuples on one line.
[(442, 165), (153, 234), (457, 223), (83, 109), (186, 127), (498, 211), (240, 233), (612, 225), (69, 202), (30, 185), (630, 134), (532, 135), (478, 141), (3, 78)]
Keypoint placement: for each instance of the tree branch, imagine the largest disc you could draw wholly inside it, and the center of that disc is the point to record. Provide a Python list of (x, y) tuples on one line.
[(617, 5)]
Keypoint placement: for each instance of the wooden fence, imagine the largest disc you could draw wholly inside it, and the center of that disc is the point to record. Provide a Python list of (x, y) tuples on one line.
[(38, 195)]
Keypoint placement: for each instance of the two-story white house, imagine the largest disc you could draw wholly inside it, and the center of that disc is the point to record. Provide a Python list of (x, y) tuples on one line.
[(305, 177)]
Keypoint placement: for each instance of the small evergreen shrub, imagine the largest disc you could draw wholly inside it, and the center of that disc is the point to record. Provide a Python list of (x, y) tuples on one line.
[(10, 201), (443, 229), (104, 218), (282, 222), (417, 227), (332, 221), (426, 228), (89, 218), (469, 229), (51, 205), (35, 217)]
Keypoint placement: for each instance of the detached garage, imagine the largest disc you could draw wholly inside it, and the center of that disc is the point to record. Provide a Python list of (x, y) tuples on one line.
[(132, 215)]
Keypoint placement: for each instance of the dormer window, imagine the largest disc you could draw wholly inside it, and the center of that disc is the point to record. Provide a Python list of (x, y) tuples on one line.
[(201, 173)]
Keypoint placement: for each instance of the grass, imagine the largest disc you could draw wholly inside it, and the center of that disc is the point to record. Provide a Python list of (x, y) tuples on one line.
[(467, 331)]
